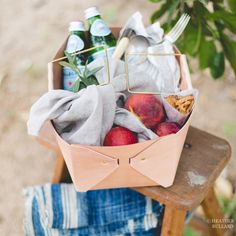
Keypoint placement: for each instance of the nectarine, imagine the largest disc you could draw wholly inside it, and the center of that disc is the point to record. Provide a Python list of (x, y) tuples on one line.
[(120, 136), (166, 128), (147, 108)]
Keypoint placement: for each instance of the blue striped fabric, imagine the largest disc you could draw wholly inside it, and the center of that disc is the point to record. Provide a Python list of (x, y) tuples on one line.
[(57, 209)]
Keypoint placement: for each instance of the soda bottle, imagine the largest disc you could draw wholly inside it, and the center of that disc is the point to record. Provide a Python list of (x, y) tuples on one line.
[(99, 34), (76, 42)]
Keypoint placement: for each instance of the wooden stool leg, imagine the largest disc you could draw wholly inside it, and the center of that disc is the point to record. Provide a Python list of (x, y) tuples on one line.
[(61, 173), (212, 211), (173, 222)]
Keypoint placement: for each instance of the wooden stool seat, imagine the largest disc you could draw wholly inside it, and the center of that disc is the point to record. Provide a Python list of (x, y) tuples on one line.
[(203, 158)]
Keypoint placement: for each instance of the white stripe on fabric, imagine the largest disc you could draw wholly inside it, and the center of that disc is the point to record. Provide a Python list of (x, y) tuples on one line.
[(28, 224), (74, 210), (68, 209), (66, 212), (69, 206), (131, 226), (150, 221), (145, 223), (47, 211), (148, 208), (64, 205), (41, 206), (54, 232), (67, 191), (49, 206), (154, 221)]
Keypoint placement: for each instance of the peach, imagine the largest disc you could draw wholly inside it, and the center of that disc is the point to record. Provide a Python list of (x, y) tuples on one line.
[(120, 136), (166, 128), (147, 108)]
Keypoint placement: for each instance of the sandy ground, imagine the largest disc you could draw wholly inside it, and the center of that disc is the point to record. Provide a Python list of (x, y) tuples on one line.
[(31, 32)]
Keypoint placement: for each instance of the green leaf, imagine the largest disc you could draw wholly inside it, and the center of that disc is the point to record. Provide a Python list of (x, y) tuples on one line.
[(72, 63), (93, 71), (85, 69), (228, 19), (157, 14), (92, 80), (71, 59), (171, 10), (232, 5), (229, 47), (206, 53), (66, 64), (71, 66), (76, 86), (217, 65), (201, 39), (201, 9), (211, 29), (82, 86), (190, 39), (199, 36)]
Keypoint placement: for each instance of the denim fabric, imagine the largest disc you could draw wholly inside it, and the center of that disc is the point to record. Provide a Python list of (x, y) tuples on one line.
[(57, 209)]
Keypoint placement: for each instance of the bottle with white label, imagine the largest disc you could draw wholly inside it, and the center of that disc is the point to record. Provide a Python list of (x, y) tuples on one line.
[(76, 42), (99, 34)]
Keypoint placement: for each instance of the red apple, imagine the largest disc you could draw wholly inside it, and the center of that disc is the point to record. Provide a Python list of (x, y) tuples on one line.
[(147, 108), (166, 128), (120, 136)]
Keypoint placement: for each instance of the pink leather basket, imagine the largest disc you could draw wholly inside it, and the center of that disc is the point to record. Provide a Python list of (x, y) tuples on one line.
[(149, 163)]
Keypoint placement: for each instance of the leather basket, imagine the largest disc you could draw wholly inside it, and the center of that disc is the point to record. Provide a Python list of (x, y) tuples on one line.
[(149, 163)]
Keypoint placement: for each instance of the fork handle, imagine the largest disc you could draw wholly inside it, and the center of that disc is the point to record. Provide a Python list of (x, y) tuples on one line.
[(120, 48), (168, 39)]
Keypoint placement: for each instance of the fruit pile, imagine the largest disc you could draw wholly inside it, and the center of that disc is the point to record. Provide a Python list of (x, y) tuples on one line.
[(149, 110)]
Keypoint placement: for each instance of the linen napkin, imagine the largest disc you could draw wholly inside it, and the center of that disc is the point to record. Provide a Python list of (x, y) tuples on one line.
[(86, 117), (163, 68)]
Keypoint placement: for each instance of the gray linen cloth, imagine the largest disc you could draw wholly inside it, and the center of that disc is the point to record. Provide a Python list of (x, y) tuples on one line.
[(86, 117)]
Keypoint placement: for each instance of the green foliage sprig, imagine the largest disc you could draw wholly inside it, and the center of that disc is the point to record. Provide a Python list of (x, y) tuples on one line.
[(210, 35), (85, 77)]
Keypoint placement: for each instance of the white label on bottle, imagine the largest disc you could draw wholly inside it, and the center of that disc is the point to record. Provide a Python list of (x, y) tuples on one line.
[(75, 43), (69, 77), (102, 53), (99, 28)]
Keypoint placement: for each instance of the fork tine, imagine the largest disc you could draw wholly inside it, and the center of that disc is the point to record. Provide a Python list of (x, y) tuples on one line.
[(179, 22), (173, 36), (180, 29), (179, 25)]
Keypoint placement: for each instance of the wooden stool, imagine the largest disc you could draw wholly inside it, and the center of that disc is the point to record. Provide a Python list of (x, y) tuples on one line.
[(203, 158)]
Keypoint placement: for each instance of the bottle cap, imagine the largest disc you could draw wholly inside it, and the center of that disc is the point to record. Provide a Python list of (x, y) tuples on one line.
[(76, 26), (91, 11)]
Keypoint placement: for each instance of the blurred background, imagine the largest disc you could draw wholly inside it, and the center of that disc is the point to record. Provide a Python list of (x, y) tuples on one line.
[(31, 31)]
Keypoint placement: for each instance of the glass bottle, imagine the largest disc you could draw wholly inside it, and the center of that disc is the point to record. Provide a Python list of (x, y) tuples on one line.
[(76, 42), (99, 34)]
